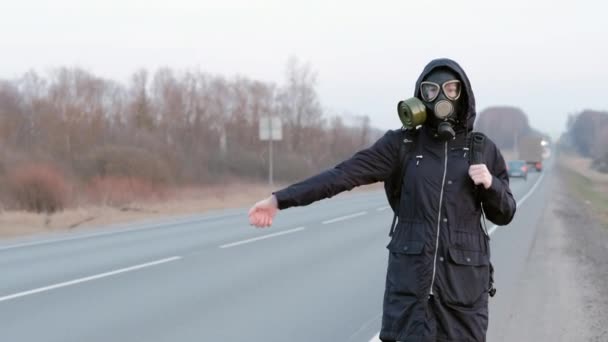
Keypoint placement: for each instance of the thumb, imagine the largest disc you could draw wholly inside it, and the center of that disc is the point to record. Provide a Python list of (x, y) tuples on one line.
[(264, 204)]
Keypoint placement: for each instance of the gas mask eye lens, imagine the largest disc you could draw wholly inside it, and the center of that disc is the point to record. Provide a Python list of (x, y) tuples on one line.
[(451, 89), (429, 91)]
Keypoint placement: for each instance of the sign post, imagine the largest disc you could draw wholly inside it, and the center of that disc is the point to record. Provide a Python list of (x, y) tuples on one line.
[(271, 129)]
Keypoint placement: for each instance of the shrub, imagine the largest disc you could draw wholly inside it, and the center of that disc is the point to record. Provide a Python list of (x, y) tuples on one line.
[(37, 188), (123, 162), (120, 191)]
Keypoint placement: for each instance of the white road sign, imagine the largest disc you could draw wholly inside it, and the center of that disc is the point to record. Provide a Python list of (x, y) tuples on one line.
[(271, 128)]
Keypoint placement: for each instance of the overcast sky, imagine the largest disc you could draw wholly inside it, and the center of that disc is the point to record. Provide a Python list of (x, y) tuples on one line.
[(547, 57)]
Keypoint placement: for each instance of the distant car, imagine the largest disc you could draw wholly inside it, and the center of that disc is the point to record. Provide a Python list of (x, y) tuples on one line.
[(518, 168)]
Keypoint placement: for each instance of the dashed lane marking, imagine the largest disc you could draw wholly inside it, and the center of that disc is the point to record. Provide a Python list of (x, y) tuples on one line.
[(86, 279), (343, 218), (238, 243)]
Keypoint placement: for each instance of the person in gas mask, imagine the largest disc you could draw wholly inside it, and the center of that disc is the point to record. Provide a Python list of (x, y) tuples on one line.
[(439, 273)]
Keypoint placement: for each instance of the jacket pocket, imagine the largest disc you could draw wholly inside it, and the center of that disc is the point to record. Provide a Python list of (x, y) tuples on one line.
[(467, 276), (466, 257), (474, 241), (406, 267), (406, 247)]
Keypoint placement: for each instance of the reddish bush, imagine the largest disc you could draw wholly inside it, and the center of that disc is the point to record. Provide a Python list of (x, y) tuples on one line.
[(119, 191), (37, 188)]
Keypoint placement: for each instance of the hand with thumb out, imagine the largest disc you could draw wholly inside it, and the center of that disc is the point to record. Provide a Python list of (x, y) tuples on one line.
[(262, 213)]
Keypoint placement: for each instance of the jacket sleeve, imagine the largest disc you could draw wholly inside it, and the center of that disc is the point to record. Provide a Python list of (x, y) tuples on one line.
[(374, 164), (498, 202)]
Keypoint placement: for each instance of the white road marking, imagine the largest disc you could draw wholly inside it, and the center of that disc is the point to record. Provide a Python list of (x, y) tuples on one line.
[(83, 280), (365, 326), (238, 243), (492, 229), (137, 227), (383, 208), (522, 200), (342, 218)]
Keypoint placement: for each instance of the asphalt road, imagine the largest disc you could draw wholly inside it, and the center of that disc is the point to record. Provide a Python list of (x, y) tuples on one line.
[(316, 275)]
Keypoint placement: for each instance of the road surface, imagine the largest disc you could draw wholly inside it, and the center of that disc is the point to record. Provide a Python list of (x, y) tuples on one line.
[(316, 275)]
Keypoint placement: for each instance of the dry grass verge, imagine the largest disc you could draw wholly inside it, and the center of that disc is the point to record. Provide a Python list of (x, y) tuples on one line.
[(181, 202), (587, 184)]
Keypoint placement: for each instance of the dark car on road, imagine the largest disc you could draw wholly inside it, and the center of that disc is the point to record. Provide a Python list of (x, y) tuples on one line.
[(518, 168)]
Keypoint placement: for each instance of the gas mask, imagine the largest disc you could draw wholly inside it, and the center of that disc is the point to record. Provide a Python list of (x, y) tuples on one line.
[(438, 106)]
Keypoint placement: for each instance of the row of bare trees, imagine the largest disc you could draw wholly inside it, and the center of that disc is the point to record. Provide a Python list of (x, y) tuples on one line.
[(587, 134), (504, 124), (167, 128)]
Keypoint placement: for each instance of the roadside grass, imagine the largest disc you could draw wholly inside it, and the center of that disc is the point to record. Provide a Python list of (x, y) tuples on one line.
[(185, 201), (592, 191)]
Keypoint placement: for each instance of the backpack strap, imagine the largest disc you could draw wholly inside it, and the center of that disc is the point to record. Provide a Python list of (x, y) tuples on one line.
[(477, 156), (477, 145), (393, 186)]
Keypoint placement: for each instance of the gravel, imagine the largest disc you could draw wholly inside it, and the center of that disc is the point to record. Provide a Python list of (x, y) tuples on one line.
[(563, 294)]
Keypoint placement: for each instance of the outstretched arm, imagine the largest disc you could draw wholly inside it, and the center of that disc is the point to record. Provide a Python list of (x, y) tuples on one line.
[(367, 166)]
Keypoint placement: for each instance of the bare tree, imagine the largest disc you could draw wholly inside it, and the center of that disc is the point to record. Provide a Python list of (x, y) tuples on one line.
[(299, 102), (169, 128)]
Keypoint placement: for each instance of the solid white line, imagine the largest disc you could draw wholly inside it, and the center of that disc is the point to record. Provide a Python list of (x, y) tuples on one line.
[(117, 230), (342, 218), (365, 326), (262, 237), (46, 242), (521, 201), (82, 280), (383, 208), (492, 229), (376, 338)]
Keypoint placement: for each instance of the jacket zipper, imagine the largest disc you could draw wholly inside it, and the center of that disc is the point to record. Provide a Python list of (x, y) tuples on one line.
[(445, 169)]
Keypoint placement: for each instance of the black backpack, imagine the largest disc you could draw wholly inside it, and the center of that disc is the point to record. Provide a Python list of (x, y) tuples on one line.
[(392, 186)]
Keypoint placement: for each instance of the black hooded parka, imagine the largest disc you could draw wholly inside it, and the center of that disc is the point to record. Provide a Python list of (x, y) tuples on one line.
[(438, 273)]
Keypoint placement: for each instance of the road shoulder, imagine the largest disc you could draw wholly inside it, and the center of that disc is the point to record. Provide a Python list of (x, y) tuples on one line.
[(562, 294)]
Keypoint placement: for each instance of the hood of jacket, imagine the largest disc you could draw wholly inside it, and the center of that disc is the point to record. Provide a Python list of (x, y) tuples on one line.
[(467, 116)]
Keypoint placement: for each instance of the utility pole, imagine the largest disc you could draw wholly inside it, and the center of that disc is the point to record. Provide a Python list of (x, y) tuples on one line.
[(270, 160)]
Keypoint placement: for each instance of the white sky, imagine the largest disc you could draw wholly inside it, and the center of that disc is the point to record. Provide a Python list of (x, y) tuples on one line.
[(547, 57)]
